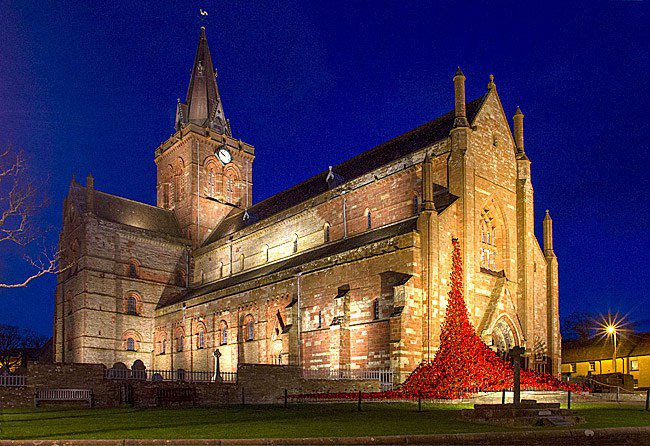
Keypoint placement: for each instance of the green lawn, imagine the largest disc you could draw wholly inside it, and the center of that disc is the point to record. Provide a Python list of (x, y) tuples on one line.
[(265, 421)]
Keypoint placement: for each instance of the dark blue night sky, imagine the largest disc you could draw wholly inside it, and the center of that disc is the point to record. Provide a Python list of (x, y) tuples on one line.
[(94, 88)]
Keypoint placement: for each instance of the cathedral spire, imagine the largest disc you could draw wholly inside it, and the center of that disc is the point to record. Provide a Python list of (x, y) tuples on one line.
[(203, 105)]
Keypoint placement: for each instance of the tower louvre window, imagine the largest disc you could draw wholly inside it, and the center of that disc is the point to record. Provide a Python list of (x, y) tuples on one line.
[(211, 181)]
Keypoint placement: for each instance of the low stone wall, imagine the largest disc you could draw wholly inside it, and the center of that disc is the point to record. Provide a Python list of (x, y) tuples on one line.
[(256, 384)]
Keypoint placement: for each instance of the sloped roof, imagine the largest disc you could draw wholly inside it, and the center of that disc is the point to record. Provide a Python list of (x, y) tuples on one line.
[(630, 344), (127, 212), (392, 150), (296, 261)]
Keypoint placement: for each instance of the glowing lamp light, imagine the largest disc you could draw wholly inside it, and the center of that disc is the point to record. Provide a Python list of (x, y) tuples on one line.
[(610, 329)]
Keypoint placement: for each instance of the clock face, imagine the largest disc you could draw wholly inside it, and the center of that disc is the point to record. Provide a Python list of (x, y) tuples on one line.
[(224, 155)]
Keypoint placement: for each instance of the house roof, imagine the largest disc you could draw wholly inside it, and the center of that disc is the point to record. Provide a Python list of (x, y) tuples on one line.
[(392, 150), (629, 344), (127, 212), (296, 261)]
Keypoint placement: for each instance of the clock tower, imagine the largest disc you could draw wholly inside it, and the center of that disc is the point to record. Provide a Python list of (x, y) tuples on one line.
[(203, 173)]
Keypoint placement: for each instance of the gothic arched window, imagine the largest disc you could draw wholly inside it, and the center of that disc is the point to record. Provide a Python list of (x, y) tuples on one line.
[(295, 243), (491, 234), (130, 344)]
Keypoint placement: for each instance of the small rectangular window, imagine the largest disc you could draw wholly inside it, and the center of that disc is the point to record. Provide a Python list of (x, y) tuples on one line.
[(572, 368), (592, 366), (634, 365)]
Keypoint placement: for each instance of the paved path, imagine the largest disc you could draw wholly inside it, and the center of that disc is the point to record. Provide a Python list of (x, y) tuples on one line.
[(620, 436)]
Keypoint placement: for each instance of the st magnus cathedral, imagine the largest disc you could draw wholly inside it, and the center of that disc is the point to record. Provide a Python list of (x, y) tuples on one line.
[(347, 270)]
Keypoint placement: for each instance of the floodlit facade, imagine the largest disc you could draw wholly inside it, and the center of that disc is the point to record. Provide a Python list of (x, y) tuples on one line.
[(346, 270)]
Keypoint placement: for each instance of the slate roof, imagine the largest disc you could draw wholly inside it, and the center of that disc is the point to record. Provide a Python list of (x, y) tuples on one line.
[(127, 212), (296, 261), (631, 344), (392, 150)]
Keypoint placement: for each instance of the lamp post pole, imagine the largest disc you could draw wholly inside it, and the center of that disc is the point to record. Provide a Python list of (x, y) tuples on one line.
[(615, 342)]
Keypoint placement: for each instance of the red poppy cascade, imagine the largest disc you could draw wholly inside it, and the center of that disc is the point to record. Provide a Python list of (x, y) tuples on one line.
[(464, 364)]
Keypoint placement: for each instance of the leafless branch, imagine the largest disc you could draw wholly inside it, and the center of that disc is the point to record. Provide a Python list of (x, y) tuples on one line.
[(20, 201)]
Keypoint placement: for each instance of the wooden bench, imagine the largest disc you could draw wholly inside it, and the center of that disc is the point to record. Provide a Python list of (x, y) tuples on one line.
[(176, 395), (64, 395)]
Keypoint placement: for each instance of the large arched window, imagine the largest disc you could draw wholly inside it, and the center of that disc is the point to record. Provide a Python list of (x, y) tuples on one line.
[(492, 233)]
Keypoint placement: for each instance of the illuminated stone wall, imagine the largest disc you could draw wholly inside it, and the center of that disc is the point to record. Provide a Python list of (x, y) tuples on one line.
[(370, 306)]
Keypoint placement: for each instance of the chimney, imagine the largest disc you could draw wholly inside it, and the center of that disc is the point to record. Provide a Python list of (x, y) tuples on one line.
[(518, 118), (459, 100)]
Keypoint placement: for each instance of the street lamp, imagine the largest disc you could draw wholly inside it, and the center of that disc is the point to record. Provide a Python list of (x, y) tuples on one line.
[(612, 331)]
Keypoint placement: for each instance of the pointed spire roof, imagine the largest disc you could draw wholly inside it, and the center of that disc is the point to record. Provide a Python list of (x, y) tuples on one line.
[(203, 105)]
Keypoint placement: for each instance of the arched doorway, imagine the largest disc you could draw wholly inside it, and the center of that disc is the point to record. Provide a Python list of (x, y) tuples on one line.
[(504, 338)]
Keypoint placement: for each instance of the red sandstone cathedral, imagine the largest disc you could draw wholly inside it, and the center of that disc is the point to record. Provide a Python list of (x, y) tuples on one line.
[(348, 270)]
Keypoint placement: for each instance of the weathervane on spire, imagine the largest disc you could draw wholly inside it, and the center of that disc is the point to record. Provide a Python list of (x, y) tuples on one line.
[(203, 17)]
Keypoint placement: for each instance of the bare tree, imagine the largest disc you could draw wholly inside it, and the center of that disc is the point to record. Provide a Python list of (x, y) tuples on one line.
[(579, 326), (11, 341), (20, 201)]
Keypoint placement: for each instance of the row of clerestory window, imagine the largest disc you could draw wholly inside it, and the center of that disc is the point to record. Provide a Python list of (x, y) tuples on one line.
[(327, 238)]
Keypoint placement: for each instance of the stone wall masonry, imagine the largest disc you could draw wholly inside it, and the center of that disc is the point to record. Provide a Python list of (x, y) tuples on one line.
[(256, 384)]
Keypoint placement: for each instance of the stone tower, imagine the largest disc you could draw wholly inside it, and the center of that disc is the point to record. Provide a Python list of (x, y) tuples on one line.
[(203, 173)]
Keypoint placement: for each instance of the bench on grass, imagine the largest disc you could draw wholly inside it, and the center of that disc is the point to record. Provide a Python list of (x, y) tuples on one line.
[(178, 395), (64, 395)]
